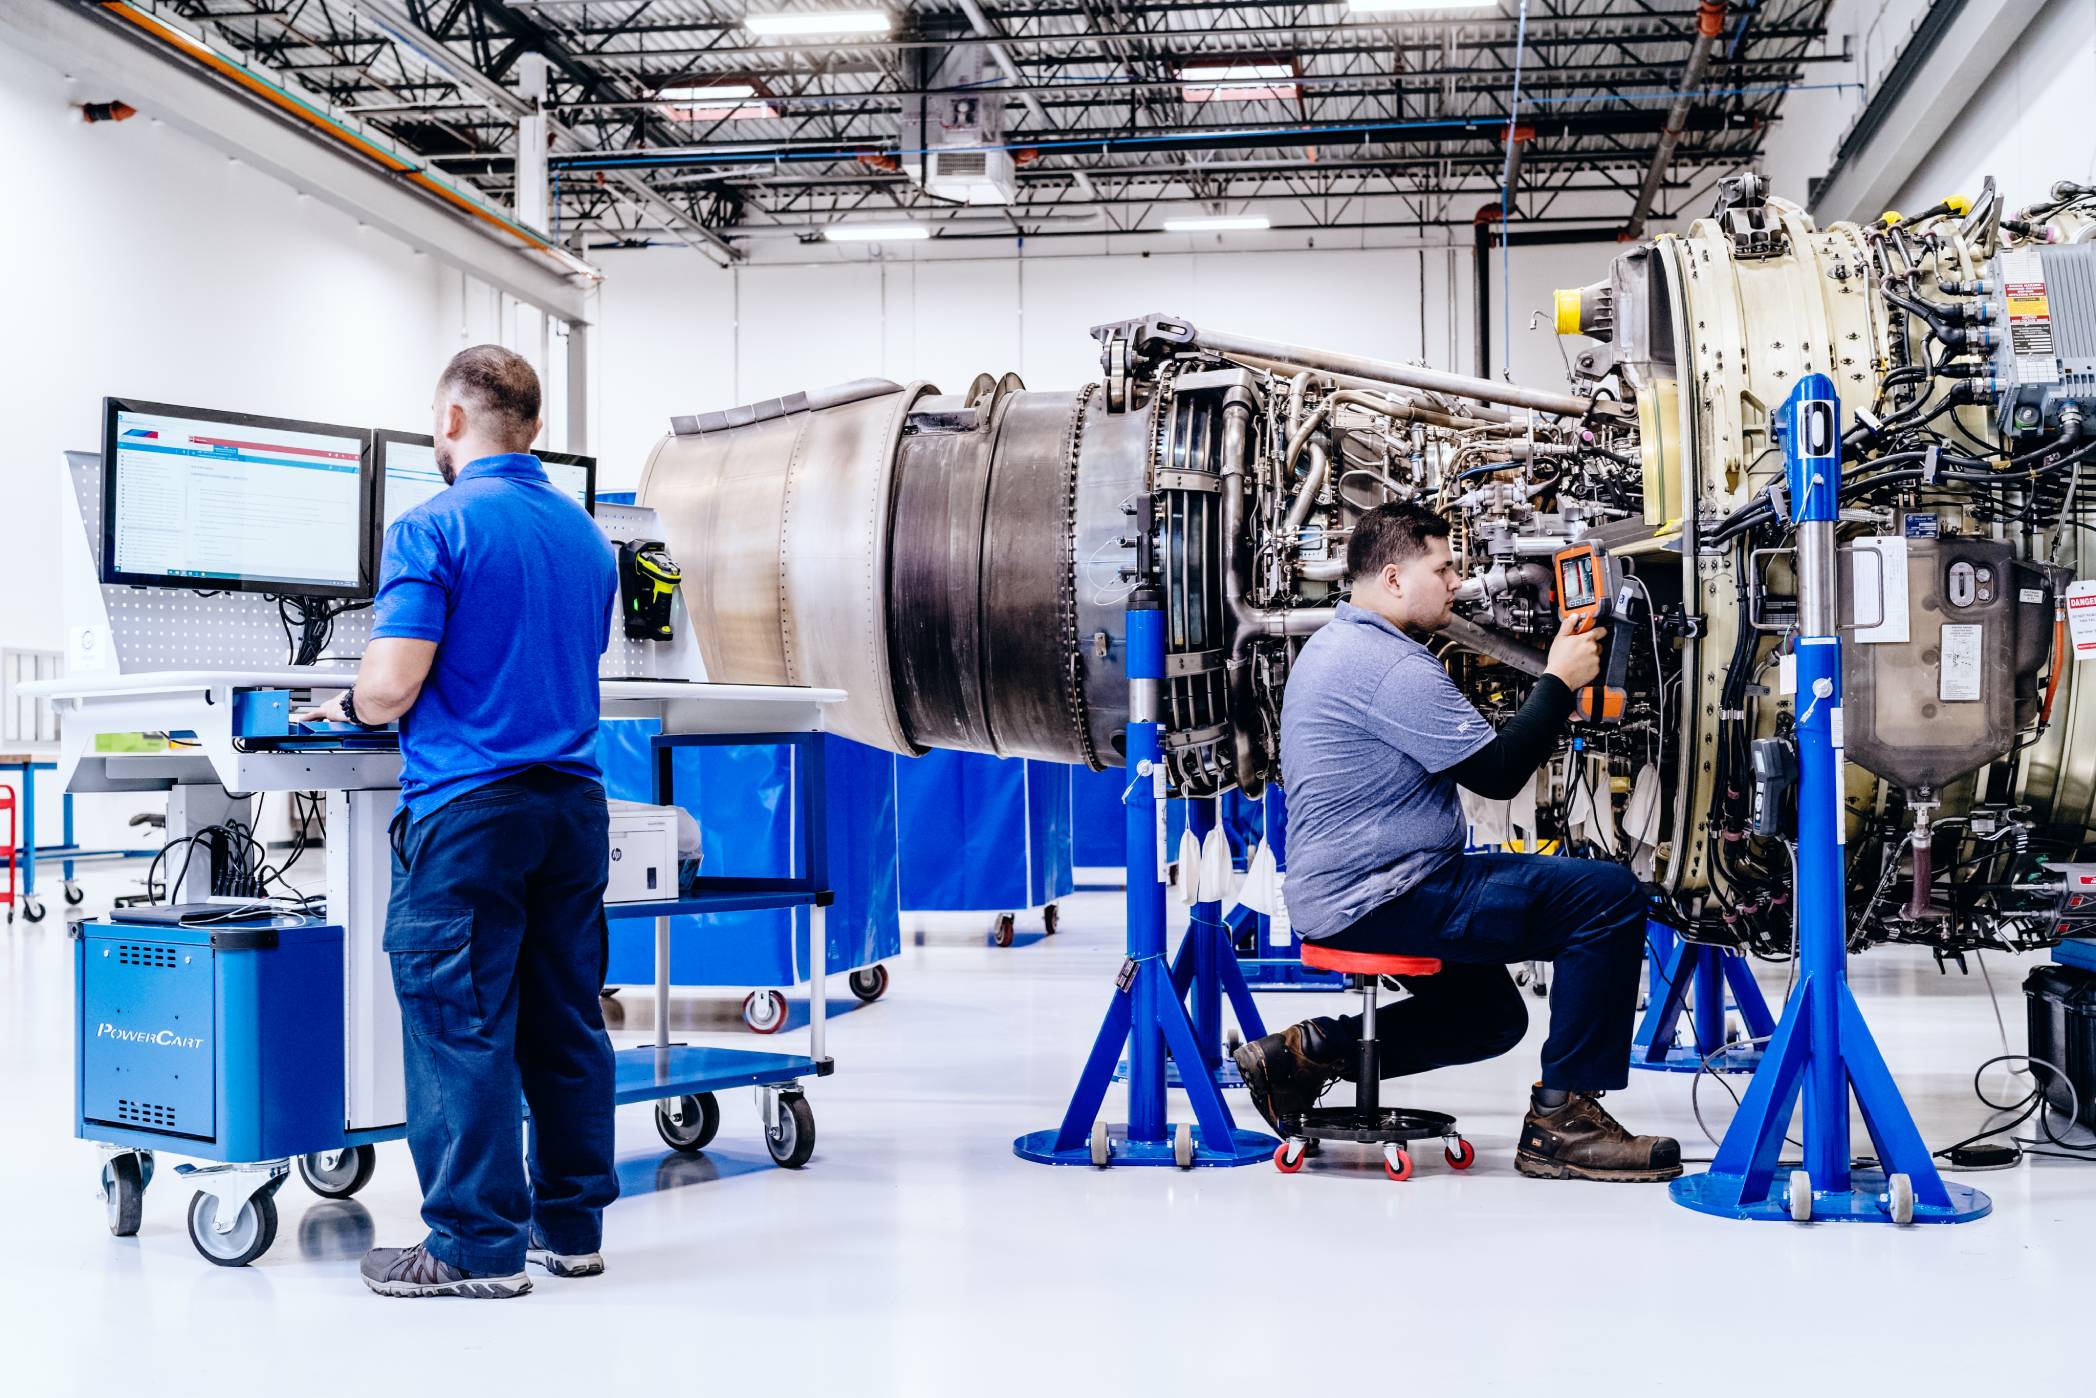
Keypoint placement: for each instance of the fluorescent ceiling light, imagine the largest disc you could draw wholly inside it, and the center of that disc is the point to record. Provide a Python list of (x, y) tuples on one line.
[(819, 22), (1230, 223), (1239, 82), (713, 92), (1387, 7), (876, 232)]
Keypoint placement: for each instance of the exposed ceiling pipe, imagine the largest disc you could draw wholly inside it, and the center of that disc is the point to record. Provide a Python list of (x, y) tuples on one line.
[(394, 17), (1710, 22), (991, 37)]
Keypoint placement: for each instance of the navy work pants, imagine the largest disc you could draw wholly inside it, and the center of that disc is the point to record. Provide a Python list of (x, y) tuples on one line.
[(1478, 912), (496, 935)]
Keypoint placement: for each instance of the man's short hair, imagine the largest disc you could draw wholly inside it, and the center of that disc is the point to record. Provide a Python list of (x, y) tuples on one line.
[(1392, 533), (500, 390)]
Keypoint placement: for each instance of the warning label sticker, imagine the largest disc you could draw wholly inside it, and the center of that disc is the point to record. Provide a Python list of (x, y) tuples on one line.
[(2081, 617), (2030, 317)]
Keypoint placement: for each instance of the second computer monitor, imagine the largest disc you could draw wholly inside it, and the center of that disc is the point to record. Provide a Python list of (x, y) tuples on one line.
[(408, 474)]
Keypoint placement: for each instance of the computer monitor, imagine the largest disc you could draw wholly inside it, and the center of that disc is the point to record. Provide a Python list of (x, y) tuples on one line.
[(408, 474), (219, 501)]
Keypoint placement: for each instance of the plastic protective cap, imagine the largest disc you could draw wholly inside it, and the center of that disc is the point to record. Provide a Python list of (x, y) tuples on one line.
[(1568, 310), (1890, 217), (1958, 204)]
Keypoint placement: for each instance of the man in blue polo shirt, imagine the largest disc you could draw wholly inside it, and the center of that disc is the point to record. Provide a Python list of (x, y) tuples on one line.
[(1375, 739), (494, 605)]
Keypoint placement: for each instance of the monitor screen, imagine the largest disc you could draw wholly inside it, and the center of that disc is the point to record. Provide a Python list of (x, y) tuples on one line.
[(409, 474), (219, 501)]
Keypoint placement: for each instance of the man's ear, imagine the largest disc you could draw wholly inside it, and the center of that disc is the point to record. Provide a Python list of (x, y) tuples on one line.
[(454, 419)]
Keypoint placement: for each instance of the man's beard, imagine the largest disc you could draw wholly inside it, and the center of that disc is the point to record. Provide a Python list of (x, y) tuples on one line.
[(446, 467)]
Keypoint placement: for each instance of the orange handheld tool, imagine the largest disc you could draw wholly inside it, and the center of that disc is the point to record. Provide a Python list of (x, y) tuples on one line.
[(1587, 583)]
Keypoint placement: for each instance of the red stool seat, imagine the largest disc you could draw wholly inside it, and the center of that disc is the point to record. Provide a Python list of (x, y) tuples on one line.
[(1367, 963)]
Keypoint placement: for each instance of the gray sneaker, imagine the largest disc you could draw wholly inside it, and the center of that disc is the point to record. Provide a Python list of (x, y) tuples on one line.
[(417, 1272), (563, 1264)]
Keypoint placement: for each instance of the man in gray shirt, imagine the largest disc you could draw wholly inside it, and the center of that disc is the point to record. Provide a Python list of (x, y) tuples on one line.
[(1375, 738)]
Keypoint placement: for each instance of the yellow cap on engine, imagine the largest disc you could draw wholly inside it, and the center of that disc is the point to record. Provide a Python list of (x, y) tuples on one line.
[(1568, 310), (1891, 216), (1958, 204)]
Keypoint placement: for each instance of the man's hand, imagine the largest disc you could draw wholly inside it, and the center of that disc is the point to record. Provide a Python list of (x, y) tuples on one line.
[(330, 712), (1575, 656)]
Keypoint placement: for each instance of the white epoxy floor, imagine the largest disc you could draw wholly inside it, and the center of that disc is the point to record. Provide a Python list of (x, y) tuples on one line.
[(917, 1256)]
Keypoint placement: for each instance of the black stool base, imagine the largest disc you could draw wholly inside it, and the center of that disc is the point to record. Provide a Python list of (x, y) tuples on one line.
[(1376, 1127)]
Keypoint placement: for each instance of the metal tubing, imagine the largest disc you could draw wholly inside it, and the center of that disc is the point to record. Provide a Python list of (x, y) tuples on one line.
[(1709, 1019), (1205, 998), (662, 982), (1469, 635), (1368, 1091), (1145, 896), (1384, 371)]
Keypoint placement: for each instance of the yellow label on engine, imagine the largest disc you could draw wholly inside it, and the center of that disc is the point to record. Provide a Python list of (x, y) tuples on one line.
[(2030, 306)]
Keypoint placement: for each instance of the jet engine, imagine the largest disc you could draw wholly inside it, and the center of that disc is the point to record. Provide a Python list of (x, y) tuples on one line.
[(960, 562)]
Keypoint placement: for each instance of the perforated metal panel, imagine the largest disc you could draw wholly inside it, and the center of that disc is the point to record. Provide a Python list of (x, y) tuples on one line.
[(625, 659), (157, 628)]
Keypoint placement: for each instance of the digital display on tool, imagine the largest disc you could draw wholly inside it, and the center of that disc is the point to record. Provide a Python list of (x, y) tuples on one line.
[(234, 502), (409, 475), (1588, 584)]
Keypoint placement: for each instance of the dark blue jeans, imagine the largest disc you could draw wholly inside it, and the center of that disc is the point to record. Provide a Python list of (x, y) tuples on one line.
[(1477, 913), (496, 934)]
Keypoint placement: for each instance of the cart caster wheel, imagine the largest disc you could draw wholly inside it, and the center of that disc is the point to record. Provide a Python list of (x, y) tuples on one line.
[(1049, 917), (1289, 1157), (764, 1011), (337, 1174), (1540, 987), (1460, 1156), (75, 895), (1005, 931), (32, 911), (1183, 1147), (252, 1232), (1800, 1197), (791, 1140), (123, 1194), (1397, 1162), (1900, 1195), (145, 1169), (1102, 1146), (701, 1121), (870, 983)]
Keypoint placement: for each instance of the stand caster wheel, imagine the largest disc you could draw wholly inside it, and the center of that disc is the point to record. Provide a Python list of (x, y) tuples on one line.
[(250, 1236), (1049, 917), (791, 1139), (870, 983), (123, 1194), (1900, 1195), (1183, 1147), (691, 1126), (764, 1011), (1004, 931), (1289, 1156), (75, 895), (1397, 1163), (337, 1174), (1800, 1197), (1232, 1041), (1102, 1146), (32, 910), (1460, 1156)]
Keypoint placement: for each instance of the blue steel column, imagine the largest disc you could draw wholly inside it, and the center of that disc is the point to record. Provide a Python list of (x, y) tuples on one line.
[(1709, 1018), (1145, 896), (1204, 931), (1814, 438)]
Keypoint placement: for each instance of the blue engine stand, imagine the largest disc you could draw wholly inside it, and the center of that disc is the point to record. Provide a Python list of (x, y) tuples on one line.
[(1823, 1047), (1691, 979), (1146, 1014)]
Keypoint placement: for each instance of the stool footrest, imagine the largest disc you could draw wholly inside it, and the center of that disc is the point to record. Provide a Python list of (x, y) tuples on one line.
[(1385, 1124)]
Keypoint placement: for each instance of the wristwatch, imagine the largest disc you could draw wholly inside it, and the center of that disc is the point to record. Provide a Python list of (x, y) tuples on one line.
[(349, 710)]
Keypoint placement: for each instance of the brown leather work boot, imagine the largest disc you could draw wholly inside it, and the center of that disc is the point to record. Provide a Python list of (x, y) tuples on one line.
[(1281, 1076), (1581, 1141)]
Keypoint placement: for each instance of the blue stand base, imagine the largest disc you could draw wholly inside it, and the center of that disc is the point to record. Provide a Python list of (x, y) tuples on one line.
[(1246, 1148), (1733, 1058), (1693, 984), (1866, 1201)]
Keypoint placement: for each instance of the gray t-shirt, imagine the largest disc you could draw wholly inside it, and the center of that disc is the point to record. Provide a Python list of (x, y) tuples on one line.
[(1370, 725)]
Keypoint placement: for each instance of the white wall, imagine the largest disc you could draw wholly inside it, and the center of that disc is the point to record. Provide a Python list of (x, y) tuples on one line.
[(678, 335), (2027, 125)]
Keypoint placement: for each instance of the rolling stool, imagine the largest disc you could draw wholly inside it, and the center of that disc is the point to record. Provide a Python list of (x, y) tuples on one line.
[(1368, 1120)]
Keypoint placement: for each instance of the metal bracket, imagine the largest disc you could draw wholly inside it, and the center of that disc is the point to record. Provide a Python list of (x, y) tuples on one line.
[(231, 1186)]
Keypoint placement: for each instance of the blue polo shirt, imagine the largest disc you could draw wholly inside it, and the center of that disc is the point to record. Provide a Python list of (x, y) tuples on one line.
[(517, 586), (1370, 725)]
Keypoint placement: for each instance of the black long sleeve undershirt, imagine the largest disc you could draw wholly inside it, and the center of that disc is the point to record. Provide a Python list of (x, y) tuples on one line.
[(1498, 770)]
